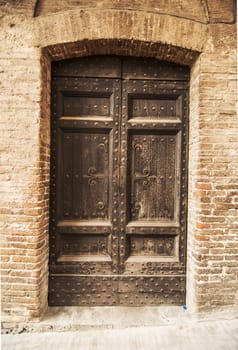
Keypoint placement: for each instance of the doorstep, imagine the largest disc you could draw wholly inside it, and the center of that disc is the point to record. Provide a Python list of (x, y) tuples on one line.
[(73, 318)]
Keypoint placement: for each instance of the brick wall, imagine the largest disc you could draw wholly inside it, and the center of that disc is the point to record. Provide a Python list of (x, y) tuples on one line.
[(213, 232), (216, 184), (205, 40), (24, 240)]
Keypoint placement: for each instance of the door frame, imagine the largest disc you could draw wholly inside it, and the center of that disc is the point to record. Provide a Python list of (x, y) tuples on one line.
[(186, 55)]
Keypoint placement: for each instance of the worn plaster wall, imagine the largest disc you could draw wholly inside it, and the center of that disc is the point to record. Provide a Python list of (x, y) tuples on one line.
[(198, 33)]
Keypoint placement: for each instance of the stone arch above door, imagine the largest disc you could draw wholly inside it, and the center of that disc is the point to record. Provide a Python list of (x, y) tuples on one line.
[(136, 26)]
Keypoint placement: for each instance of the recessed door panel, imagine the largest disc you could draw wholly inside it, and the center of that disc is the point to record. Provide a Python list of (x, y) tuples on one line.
[(152, 106), (84, 175), (80, 105), (154, 176), (151, 246), (91, 176)]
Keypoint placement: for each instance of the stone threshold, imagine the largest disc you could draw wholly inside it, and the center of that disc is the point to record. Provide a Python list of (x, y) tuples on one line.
[(65, 319)]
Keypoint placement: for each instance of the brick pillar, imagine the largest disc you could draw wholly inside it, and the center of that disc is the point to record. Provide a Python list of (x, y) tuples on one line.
[(24, 219), (213, 202)]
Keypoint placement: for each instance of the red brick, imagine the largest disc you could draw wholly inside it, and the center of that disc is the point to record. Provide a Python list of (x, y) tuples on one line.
[(202, 238), (203, 186)]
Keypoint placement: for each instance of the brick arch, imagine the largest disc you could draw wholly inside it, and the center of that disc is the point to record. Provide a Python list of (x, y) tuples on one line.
[(123, 47), (79, 25)]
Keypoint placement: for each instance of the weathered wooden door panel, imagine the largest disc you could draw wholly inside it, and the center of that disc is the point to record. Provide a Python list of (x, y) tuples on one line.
[(154, 120), (84, 176), (154, 177), (84, 172), (94, 66), (152, 69), (72, 289), (119, 146), (88, 170)]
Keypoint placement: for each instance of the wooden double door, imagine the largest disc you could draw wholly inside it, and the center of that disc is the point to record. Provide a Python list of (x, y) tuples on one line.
[(118, 182)]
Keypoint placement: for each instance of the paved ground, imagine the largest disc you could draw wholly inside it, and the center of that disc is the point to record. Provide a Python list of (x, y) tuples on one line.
[(222, 335), (173, 331)]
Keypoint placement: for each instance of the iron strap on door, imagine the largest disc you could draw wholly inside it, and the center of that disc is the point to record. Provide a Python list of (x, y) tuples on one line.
[(119, 182)]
